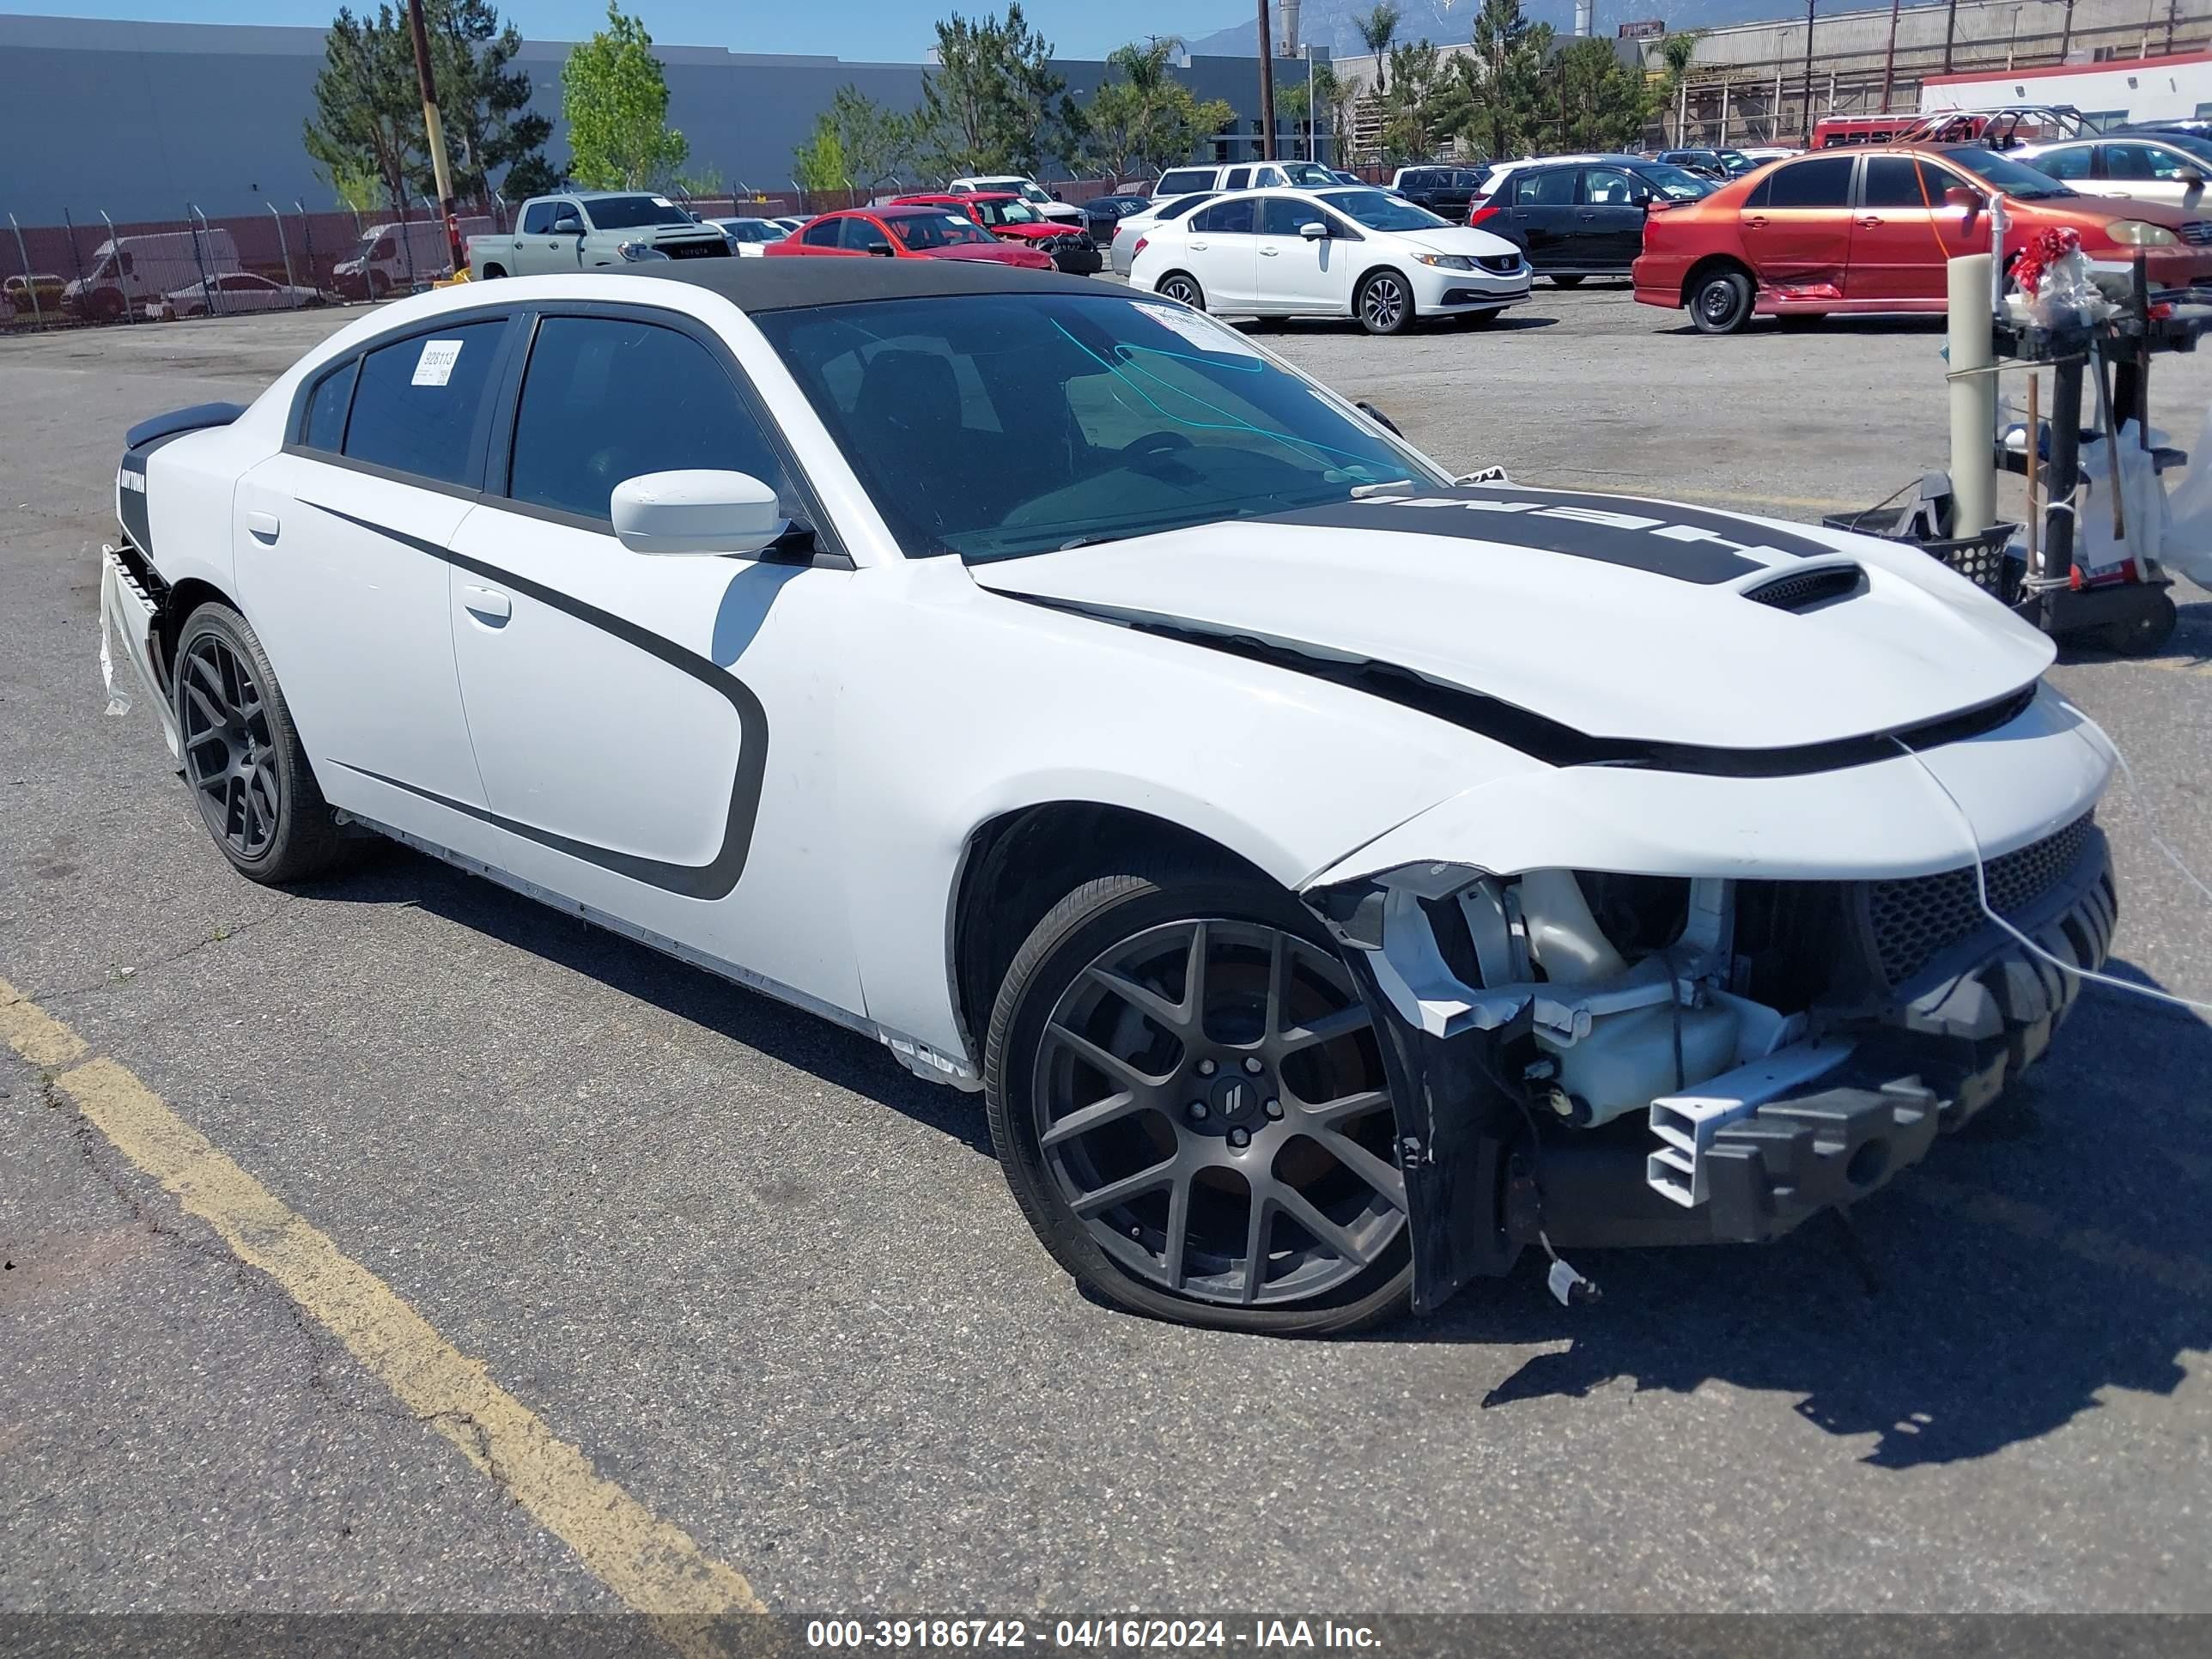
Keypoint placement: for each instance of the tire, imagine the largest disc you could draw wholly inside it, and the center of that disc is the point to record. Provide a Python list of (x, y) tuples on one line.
[(493, 273), (1567, 281), (1181, 285), (1086, 1007), (1384, 304), (242, 757), (1721, 301), (2143, 634)]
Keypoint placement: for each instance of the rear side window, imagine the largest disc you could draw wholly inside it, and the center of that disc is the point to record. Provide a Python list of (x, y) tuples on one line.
[(1237, 178), (1826, 183), (606, 399), (1186, 179), (822, 233), (1891, 181), (1229, 218), (325, 427), (1608, 187), (415, 405), (2071, 163), (1552, 187)]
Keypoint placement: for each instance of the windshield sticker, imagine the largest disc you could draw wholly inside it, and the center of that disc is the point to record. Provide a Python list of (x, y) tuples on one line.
[(435, 366), (662, 200), (1206, 336)]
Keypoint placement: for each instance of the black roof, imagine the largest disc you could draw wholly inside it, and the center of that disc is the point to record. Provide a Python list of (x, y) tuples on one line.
[(793, 282)]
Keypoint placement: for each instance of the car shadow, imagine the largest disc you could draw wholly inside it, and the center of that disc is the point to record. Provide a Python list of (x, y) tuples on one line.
[(1887, 323), (2056, 1250), (392, 874)]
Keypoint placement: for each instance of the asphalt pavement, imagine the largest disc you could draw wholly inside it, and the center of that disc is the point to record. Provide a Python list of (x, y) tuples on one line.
[(775, 1293)]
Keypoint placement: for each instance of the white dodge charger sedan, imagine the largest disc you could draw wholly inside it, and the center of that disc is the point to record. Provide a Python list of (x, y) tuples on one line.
[(1335, 879), (1354, 252)]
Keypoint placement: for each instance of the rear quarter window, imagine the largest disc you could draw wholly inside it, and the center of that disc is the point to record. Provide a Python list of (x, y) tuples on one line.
[(325, 425)]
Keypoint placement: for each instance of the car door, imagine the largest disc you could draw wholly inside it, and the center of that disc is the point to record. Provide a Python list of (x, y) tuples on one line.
[(1608, 223), (653, 729), (1543, 216), (2144, 172), (1797, 225), (1297, 273), (2074, 164), (1895, 253), (341, 544), (1222, 255)]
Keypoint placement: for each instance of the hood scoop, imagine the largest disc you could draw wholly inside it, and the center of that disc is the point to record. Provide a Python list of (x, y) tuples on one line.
[(1800, 591)]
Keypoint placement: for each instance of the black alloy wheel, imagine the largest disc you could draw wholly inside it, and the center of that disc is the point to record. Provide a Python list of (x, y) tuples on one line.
[(1187, 1093), (1385, 304), (242, 755)]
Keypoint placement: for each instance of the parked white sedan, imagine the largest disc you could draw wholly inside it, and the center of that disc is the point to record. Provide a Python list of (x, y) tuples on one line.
[(1330, 875), (237, 291), (1353, 252)]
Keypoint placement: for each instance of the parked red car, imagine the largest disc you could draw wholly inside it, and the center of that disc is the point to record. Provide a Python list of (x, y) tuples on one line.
[(1010, 219), (907, 232), (1870, 229)]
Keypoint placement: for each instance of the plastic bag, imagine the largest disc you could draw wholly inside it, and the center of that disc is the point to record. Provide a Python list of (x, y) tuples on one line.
[(2098, 550), (2187, 544), (2054, 273)]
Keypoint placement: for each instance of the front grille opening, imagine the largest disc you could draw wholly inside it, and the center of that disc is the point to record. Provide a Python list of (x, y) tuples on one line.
[(1808, 590), (1912, 922)]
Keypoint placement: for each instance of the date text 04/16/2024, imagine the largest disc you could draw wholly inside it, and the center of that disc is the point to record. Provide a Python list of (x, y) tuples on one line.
[(1123, 1634)]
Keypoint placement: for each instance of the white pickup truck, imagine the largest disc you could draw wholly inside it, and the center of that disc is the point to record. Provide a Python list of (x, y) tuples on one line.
[(579, 230)]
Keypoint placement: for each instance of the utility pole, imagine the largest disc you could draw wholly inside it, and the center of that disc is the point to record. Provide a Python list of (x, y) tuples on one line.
[(1889, 55), (1950, 27), (1808, 68), (435, 133), (1266, 86), (2169, 27), (2066, 35)]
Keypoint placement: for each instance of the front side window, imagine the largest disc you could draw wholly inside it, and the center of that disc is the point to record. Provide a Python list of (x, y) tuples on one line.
[(938, 230), (1281, 215), (862, 236), (1891, 181), (2074, 161), (1608, 187), (1189, 205), (631, 212), (2141, 163), (1673, 183), (415, 406), (1378, 211), (1826, 183), (607, 398), (992, 425)]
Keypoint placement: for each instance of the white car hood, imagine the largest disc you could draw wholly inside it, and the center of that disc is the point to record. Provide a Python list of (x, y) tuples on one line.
[(1619, 618), (1459, 239)]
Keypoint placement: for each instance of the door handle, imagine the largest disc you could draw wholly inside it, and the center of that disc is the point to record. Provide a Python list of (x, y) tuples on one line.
[(1870, 223), (1589, 214), (1197, 247), (1270, 252), (1757, 221), (487, 604), (264, 526)]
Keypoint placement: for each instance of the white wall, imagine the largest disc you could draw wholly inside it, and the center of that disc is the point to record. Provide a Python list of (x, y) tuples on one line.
[(2150, 89)]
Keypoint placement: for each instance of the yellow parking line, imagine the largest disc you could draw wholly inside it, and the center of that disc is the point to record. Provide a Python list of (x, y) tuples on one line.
[(652, 1564)]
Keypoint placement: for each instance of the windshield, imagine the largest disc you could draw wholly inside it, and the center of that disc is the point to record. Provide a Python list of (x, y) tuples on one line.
[(1673, 183), (1308, 175), (937, 230), (2016, 178), (1737, 163), (991, 426), (627, 212), (1378, 211), (2194, 145), (1011, 212), (752, 230)]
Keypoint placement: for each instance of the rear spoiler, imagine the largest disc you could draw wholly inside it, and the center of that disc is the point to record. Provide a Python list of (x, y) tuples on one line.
[(199, 415)]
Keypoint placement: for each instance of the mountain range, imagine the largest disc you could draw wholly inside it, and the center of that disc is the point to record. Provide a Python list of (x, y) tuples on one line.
[(1451, 23)]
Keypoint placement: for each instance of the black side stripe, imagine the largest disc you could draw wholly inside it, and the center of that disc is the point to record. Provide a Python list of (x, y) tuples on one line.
[(712, 881)]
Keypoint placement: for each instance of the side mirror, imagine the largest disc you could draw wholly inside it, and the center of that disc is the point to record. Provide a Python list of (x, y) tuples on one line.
[(700, 511), (1959, 196), (1314, 231), (881, 250), (567, 227), (1377, 416), (1055, 195)]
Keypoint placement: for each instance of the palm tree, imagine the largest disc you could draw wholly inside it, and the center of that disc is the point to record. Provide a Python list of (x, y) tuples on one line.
[(1676, 52), (1377, 30)]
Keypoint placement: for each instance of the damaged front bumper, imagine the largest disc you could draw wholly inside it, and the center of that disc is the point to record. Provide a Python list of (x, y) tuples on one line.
[(1866, 1091)]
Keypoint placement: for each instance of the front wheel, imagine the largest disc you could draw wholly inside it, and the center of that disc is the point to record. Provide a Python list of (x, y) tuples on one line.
[(1566, 282), (1720, 303), (1183, 289), (1385, 304), (1185, 1090), (243, 760)]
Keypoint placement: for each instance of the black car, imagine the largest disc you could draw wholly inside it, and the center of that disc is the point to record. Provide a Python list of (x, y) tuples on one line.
[(1446, 191), (1718, 165), (1583, 218), (1101, 213)]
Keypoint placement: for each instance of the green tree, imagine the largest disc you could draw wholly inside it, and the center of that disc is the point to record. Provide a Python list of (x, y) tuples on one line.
[(994, 103), (614, 95), (1410, 106), (367, 122), (1504, 81), (1675, 53), (1142, 118), (1376, 29), (877, 141), (483, 104), (819, 162), (1602, 102)]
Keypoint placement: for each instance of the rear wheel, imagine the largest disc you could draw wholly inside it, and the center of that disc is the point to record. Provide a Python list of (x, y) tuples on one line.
[(493, 273), (1182, 287), (1720, 302), (1186, 1094), (1384, 304), (248, 774)]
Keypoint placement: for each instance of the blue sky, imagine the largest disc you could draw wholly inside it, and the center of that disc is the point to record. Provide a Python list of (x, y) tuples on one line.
[(892, 30)]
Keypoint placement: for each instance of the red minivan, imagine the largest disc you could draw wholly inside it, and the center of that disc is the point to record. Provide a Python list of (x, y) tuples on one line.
[(1870, 230)]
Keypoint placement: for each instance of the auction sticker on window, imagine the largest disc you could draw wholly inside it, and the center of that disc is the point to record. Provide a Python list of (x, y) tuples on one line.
[(1206, 336), (435, 366)]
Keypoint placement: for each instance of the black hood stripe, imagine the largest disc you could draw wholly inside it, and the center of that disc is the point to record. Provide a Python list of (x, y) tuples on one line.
[(1661, 539)]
